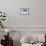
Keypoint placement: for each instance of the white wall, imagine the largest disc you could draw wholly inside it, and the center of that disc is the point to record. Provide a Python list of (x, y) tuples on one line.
[(37, 19)]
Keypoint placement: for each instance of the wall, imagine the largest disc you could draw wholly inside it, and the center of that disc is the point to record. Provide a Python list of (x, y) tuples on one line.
[(38, 15), (37, 19)]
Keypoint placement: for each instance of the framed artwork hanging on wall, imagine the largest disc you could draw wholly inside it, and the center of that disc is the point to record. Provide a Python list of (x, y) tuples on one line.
[(24, 11)]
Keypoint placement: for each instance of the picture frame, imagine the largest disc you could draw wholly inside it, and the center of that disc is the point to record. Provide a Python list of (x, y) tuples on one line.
[(24, 11)]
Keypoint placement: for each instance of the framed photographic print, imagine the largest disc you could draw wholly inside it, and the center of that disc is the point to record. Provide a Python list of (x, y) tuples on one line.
[(24, 11)]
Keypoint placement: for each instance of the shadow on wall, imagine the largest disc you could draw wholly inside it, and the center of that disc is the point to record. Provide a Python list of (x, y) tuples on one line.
[(16, 43)]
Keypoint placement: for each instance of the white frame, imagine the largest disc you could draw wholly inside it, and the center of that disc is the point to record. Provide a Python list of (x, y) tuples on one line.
[(24, 11)]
